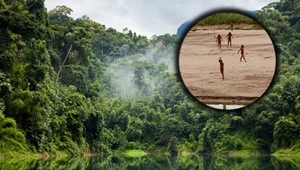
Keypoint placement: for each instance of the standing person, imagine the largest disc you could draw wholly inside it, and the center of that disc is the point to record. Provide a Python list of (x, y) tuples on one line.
[(231, 26), (242, 53), (221, 67), (219, 38), (229, 36)]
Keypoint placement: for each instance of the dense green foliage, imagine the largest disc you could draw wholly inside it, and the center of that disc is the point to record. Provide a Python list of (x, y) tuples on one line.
[(226, 18), (120, 91)]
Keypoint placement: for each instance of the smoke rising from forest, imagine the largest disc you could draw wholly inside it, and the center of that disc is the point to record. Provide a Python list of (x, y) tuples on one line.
[(136, 75)]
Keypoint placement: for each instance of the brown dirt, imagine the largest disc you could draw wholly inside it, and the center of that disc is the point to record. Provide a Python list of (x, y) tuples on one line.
[(200, 69)]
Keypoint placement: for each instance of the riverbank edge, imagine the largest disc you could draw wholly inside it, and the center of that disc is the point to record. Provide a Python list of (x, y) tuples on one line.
[(140, 153)]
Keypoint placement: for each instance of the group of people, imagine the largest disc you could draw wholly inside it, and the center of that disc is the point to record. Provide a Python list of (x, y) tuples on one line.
[(229, 37)]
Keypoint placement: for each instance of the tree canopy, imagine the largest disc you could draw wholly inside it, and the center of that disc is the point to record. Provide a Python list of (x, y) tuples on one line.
[(117, 90)]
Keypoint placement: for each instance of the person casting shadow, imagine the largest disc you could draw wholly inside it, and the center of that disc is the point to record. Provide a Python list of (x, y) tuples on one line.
[(221, 67), (229, 37), (242, 53), (219, 38)]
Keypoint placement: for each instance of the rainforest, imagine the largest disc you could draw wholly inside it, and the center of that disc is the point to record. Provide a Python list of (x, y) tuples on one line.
[(73, 86)]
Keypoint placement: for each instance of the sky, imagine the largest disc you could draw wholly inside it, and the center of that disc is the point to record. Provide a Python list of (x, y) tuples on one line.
[(155, 17)]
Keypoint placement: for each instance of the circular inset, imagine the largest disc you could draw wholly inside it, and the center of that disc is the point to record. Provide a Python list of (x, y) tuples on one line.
[(227, 60)]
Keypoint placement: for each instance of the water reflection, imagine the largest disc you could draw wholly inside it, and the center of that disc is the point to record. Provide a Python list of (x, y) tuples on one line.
[(207, 162)]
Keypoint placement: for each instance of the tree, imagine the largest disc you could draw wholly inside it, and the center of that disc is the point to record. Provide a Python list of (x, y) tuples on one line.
[(272, 20), (11, 138), (29, 109), (39, 59), (60, 15), (124, 49), (284, 133), (173, 145)]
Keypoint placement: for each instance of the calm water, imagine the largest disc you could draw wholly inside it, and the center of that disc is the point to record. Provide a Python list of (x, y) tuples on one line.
[(155, 162)]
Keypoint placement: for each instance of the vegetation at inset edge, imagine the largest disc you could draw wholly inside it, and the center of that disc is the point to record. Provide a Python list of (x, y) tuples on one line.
[(117, 90), (226, 18), (153, 162)]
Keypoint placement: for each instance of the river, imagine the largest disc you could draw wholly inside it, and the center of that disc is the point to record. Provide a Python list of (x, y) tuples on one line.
[(154, 162)]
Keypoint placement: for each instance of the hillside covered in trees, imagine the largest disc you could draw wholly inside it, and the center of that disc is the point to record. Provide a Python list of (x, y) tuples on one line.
[(74, 86)]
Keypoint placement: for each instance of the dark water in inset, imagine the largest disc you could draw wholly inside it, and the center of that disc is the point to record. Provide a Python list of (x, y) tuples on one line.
[(155, 162)]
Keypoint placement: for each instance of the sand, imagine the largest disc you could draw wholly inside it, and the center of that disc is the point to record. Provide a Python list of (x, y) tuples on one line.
[(244, 82)]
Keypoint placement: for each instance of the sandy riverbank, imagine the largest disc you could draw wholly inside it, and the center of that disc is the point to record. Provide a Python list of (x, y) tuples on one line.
[(244, 81)]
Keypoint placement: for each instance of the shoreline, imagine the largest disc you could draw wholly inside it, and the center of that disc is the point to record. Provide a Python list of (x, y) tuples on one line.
[(241, 26), (227, 100), (46, 155)]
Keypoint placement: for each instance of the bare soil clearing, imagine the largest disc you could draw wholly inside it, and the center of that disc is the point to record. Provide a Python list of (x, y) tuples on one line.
[(244, 81)]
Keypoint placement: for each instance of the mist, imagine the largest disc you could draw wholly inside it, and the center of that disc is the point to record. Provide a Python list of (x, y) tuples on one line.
[(135, 76)]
